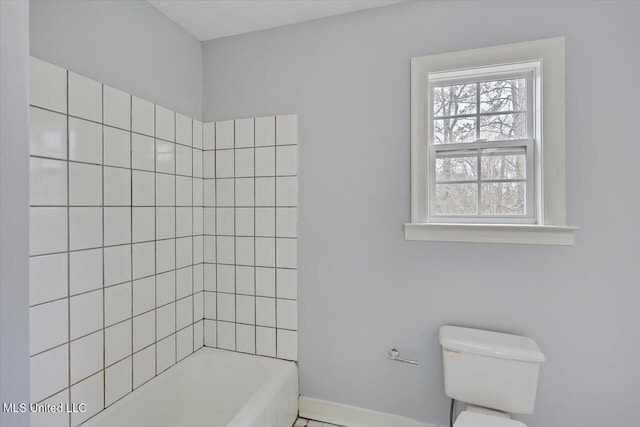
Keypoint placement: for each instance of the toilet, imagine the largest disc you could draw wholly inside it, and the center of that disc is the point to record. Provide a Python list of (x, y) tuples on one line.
[(495, 374)]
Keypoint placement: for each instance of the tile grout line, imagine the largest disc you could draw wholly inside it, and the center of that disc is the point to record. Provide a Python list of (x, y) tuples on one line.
[(131, 230), (68, 246)]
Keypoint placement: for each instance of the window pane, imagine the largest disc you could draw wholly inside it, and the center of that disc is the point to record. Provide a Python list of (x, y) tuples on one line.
[(509, 163), (503, 127), (451, 167), (446, 131), (503, 95), (503, 198), (456, 199), (454, 100)]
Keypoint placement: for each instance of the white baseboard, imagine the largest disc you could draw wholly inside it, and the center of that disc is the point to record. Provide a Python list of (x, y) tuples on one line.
[(352, 416)]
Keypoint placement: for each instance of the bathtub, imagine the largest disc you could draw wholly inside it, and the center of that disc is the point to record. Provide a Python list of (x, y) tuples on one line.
[(211, 388)]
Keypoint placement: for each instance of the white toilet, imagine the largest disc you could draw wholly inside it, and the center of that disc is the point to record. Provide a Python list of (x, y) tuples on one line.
[(493, 373)]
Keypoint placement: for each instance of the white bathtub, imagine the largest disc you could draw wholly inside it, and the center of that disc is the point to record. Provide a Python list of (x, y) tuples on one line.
[(211, 388)]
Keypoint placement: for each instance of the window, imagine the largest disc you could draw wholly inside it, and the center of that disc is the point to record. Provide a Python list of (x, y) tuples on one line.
[(484, 168)]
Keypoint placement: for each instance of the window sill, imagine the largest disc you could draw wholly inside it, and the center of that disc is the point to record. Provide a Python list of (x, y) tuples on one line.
[(492, 233)]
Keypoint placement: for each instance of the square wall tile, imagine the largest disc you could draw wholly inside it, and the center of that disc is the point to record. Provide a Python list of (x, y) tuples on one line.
[(245, 251), (184, 130), (226, 278), (287, 160), (85, 185), (47, 85), (165, 190), (198, 192), (287, 314), (244, 221), (265, 252), (85, 271), (226, 307), (117, 342), (144, 191), (225, 189), (144, 259), (184, 160), (244, 192), (210, 305), (47, 182), (86, 313), (165, 223), (287, 344), (117, 226), (209, 221), (265, 311), (144, 224), (184, 221), (286, 222), (85, 228), (226, 336), (85, 98), (117, 264), (266, 341), (165, 255), (117, 303), (48, 419), (266, 161), (265, 192), (265, 222), (265, 131), (210, 333), (184, 257), (143, 152), (184, 312), (225, 248), (117, 147), (47, 230), (287, 129), (144, 366), (266, 282), (287, 283), (286, 191), (47, 278), (245, 309), (184, 282), (209, 254), (142, 116), (198, 306), (85, 141), (86, 356), (225, 221), (197, 163), (184, 190), (244, 133), (224, 134), (118, 381), (117, 108), (165, 123), (245, 280), (117, 187), (208, 136), (165, 156), (224, 163), (45, 381), (286, 253), (246, 338), (48, 325), (47, 134), (244, 162)]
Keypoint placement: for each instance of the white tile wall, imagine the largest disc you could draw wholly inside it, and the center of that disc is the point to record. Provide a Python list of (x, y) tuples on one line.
[(250, 176), (152, 234), (112, 186)]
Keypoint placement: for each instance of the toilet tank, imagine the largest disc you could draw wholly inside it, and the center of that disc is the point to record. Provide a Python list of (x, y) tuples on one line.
[(490, 369)]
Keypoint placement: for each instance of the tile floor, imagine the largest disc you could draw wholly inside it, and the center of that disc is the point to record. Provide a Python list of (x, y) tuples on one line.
[(303, 422)]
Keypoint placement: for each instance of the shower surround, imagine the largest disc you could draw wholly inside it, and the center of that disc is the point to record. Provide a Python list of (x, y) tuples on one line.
[(152, 234)]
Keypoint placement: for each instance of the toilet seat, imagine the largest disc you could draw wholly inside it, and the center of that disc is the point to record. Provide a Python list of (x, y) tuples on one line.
[(474, 419)]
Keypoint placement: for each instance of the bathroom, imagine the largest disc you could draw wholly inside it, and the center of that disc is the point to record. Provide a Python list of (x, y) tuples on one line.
[(327, 100)]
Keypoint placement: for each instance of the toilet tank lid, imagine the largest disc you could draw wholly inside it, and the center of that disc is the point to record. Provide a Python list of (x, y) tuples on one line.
[(491, 344)]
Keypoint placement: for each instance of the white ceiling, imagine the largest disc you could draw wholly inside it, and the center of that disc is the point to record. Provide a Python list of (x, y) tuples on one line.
[(210, 19)]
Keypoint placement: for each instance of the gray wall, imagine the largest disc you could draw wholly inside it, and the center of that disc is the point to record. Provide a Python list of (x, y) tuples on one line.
[(14, 209), (129, 45), (363, 288)]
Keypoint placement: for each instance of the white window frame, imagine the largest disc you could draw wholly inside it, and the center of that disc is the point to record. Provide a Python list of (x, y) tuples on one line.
[(547, 222)]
